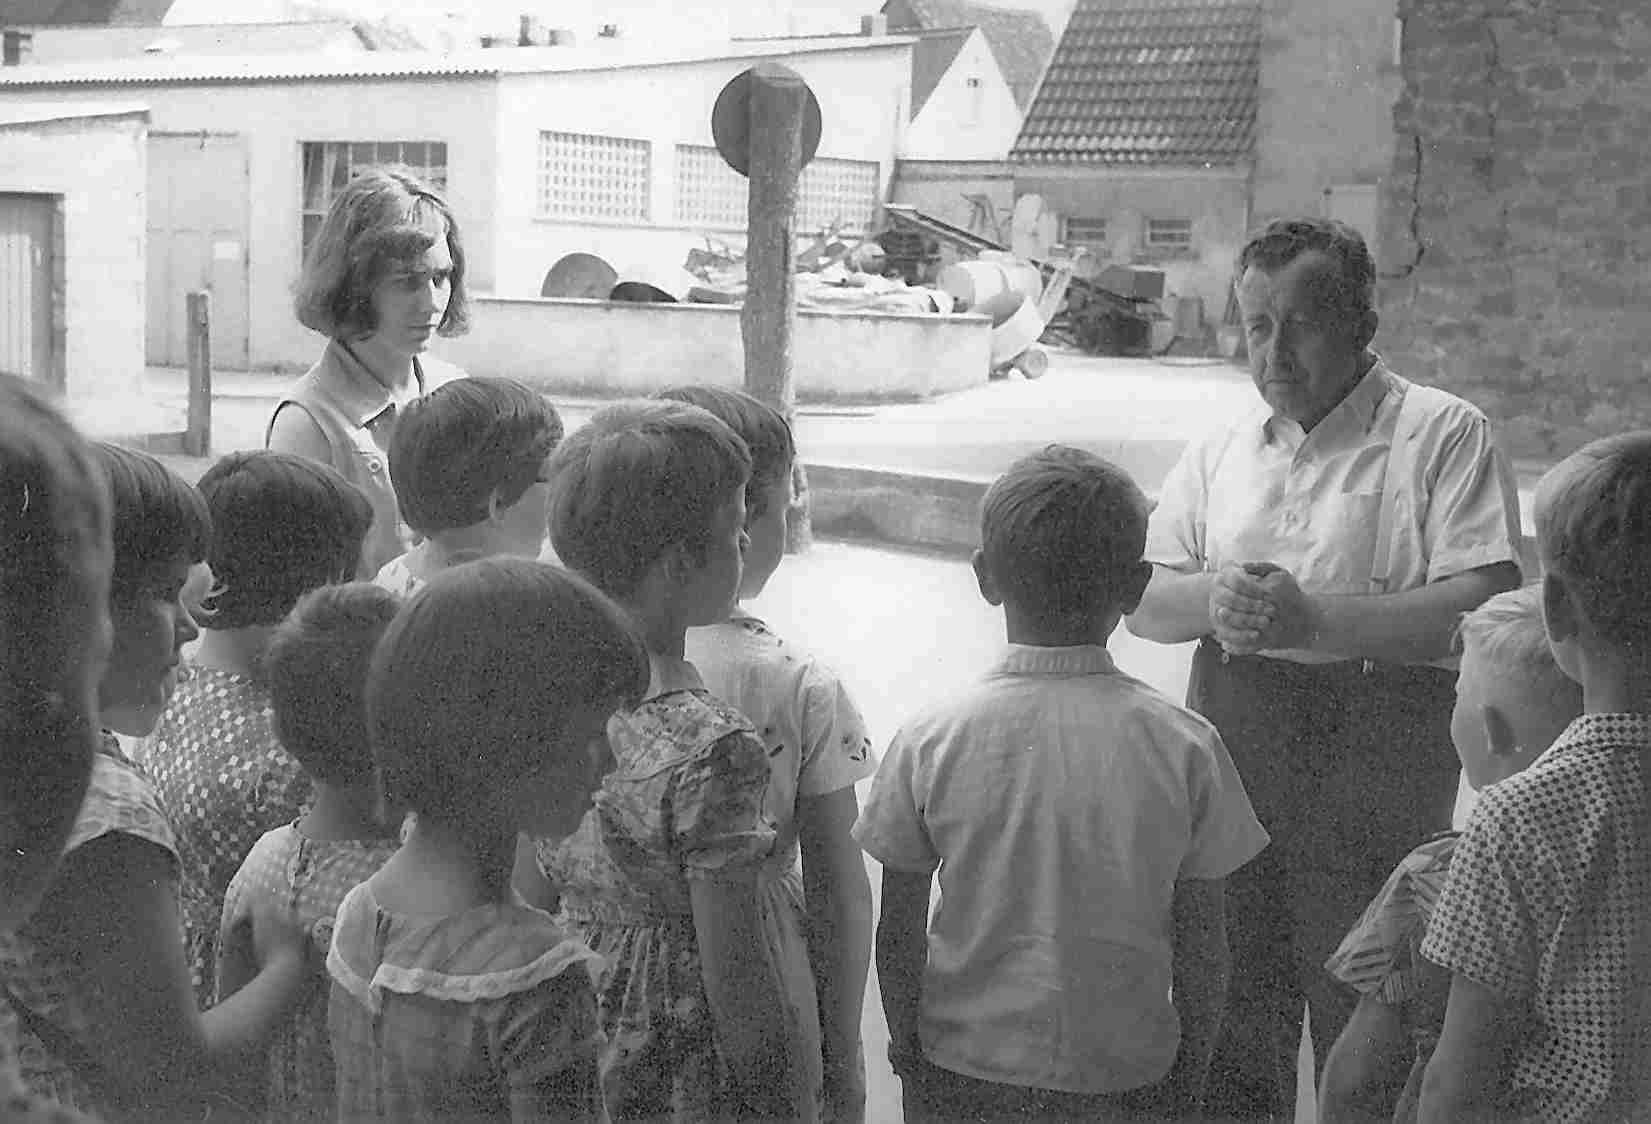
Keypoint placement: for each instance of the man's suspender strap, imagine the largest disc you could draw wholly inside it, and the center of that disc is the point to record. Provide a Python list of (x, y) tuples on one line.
[(1401, 460)]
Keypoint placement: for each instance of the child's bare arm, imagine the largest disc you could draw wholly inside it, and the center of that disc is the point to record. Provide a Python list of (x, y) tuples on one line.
[(1465, 1078), (1367, 1066), (528, 878), (1202, 967), (902, 953), (838, 896), (743, 985)]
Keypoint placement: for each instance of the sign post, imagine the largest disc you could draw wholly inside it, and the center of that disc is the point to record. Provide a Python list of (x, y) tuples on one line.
[(767, 126)]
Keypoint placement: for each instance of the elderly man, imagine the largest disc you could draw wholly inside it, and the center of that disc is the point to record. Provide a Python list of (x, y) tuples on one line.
[(1321, 550)]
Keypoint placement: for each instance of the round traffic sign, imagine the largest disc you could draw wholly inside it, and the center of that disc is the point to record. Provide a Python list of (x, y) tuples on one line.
[(731, 117)]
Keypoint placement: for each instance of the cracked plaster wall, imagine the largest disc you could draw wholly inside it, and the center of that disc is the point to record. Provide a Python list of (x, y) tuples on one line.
[(1516, 221)]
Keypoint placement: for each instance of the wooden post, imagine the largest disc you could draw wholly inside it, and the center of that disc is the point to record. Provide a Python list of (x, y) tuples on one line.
[(779, 99), (197, 438)]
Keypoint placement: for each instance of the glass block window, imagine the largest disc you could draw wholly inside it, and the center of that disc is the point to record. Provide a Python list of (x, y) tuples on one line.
[(329, 165), (1088, 233), (1169, 235), (711, 194), (584, 176)]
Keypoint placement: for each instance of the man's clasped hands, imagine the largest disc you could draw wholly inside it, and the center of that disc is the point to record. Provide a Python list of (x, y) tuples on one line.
[(1258, 606)]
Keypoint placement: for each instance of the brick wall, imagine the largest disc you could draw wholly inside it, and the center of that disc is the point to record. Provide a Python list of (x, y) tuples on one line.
[(1516, 223), (1324, 119)]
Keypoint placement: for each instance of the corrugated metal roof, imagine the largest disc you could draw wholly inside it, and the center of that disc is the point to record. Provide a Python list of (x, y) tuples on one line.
[(1149, 82), (12, 115), (477, 62)]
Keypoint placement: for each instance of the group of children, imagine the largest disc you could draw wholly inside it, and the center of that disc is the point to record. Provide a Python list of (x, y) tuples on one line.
[(571, 835)]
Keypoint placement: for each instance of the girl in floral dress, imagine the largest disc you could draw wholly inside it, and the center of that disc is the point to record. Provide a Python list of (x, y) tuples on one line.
[(54, 616), (703, 1020), (282, 526), (97, 979)]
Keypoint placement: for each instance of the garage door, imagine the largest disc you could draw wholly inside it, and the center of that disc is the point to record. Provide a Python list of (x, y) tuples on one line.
[(198, 203), (26, 286)]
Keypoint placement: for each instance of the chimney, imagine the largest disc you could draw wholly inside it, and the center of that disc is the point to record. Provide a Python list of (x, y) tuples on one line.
[(531, 34), (16, 47), (874, 27)]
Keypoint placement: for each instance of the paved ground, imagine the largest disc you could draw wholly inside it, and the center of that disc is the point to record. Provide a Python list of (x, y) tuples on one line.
[(1138, 412)]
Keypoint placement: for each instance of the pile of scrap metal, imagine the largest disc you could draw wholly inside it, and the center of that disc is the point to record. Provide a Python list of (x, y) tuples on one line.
[(833, 274), (1112, 312)]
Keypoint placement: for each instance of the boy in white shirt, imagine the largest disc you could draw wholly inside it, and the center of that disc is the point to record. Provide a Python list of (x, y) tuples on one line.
[(817, 746), (1081, 825)]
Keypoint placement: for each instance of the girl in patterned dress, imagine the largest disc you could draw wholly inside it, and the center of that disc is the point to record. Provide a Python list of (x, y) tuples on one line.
[(54, 612), (282, 526), (316, 666), (704, 1019), (97, 979), (451, 999)]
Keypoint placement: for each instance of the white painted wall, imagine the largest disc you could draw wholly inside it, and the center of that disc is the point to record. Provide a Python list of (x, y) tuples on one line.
[(603, 347), (864, 98), (963, 123), (98, 166), (276, 118)]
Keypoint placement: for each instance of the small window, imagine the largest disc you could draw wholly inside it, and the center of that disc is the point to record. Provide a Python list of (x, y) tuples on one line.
[(1169, 236), (329, 165), (976, 109), (582, 176), (1088, 233)]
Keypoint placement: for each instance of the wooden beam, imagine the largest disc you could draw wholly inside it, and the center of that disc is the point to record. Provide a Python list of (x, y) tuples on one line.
[(779, 100)]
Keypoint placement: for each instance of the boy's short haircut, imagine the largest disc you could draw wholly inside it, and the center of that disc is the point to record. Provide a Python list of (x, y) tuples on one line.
[(634, 481), (1593, 529), (282, 525), (467, 439), (157, 517), (764, 430), (1061, 531), (480, 671), (316, 666), (1508, 633)]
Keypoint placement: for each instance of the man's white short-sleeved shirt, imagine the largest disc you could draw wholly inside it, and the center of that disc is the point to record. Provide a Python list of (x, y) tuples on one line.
[(1059, 800), (1262, 490)]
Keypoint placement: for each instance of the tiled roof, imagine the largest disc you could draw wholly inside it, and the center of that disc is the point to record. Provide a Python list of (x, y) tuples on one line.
[(1020, 39), (1149, 82), (931, 56)]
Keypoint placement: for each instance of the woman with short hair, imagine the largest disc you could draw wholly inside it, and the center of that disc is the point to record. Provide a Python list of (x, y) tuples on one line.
[(385, 275)]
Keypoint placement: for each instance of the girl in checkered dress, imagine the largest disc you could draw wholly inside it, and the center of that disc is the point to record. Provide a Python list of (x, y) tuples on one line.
[(316, 667)]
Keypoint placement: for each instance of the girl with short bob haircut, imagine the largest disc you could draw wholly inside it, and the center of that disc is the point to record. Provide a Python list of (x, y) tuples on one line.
[(706, 1017), (384, 276), (98, 978), (450, 1000), (468, 465), (281, 526)]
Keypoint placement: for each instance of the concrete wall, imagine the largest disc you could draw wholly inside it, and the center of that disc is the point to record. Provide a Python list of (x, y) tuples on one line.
[(864, 97), (1517, 219), (963, 123), (97, 166), (1328, 82), (275, 118), (572, 346), (1216, 201), (941, 188)]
